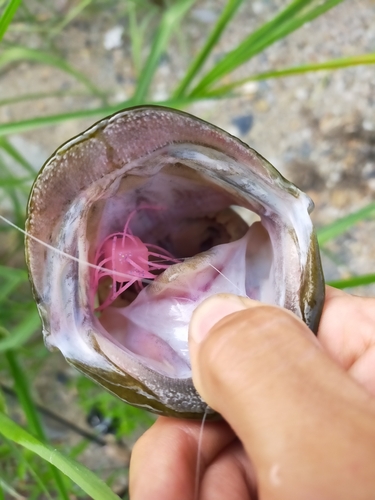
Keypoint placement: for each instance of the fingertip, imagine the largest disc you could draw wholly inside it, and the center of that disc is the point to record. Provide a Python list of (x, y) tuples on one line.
[(207, 316), (245, 353), (214, 309)]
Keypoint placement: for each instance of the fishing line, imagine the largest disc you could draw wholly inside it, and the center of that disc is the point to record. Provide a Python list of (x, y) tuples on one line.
[(199, 456), (99, 268), (223, 275), (64, 254)]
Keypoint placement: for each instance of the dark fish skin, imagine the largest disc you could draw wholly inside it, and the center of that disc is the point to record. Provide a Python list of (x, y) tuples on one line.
[(195, 171)]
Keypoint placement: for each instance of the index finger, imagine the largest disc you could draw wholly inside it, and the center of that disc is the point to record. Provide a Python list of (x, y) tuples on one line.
[(347, 333), (163, 462)]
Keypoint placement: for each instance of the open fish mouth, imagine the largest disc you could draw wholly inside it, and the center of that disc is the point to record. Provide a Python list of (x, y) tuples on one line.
[(132, 224)]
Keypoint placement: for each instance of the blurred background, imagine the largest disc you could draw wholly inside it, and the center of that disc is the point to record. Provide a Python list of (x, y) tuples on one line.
[(294, 80)]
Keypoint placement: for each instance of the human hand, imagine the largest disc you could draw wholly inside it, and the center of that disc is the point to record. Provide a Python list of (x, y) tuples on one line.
[(303, 428)]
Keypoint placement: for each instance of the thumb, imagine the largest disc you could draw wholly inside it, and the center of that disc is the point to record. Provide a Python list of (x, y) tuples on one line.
[(263, 370), (239, 349)]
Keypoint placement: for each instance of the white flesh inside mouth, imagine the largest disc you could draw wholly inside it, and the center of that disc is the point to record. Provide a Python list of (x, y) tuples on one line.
[(220, 253)]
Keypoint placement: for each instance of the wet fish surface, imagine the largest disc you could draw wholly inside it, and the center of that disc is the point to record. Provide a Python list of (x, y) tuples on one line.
[(133, 223)]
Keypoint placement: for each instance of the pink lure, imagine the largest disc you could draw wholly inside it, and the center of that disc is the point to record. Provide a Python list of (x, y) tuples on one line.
[(125, 258), (126, 255)]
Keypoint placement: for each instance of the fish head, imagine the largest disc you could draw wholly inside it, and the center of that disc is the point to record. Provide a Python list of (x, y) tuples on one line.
[(206, 213)]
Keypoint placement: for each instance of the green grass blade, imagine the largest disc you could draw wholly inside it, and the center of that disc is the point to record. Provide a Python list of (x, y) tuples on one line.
[(8, 15), (83, 477), (289, 20), (4, 488), (137, 31), (12, 272), (3, 406), (230, 9), (18, 205), (4, 332), (41, 95), (247, 48), (25, 461), (16, 197), (45, 121), (7, 488), (25, 399), (296, 70), (21, 332), (23, 394), (339, 226), (168, 23), (13, 153), (72, 14), (354, 281), (344, 62), (16, 54), (7, 287), (6, 182), (135, 35)]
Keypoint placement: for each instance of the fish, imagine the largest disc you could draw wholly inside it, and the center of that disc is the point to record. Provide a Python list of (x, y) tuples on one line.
[(136, 221)]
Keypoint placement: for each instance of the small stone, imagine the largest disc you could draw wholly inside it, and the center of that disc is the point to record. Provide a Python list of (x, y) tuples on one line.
[(301, 94), (206, 16), (113, 38), (368, 171), (160, 94), (243, 123), (262, 105), (120, 96), (368, 126), (258, 7), (250, 88)]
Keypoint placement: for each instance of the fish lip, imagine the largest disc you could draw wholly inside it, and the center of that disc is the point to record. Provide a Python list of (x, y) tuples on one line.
[(218, 141)]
